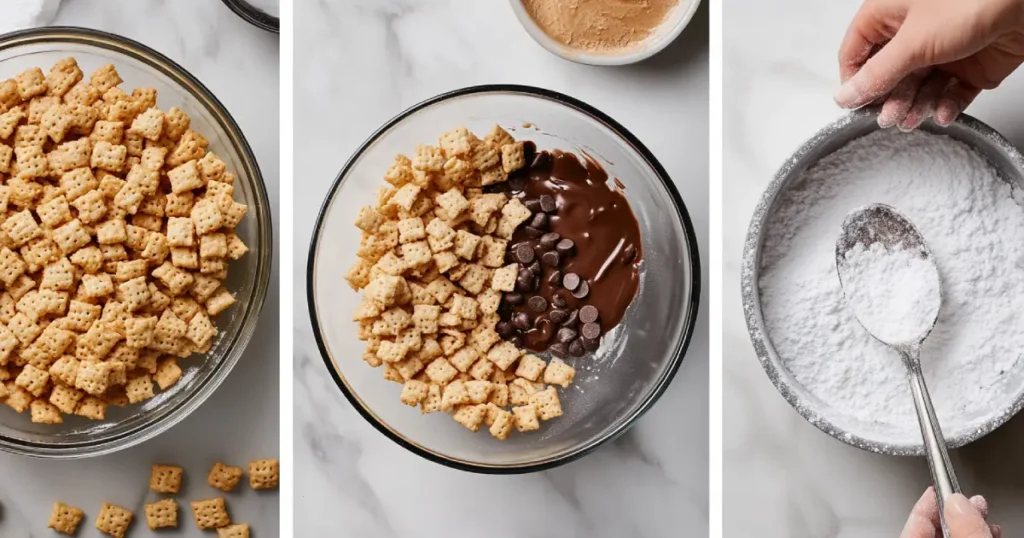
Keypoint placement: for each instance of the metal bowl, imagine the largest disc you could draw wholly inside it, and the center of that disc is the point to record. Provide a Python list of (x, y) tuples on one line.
[(994, 147)]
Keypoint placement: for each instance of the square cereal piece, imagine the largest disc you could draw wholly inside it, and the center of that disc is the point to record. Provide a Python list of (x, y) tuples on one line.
[(559, 373), (191, 146), (502, 425), (454, 394), (21, 228), (516, 212), (464, 307), (504, 279), (464, 358), (63, 75), (179, 205), (18, 398), (162, 514), (236, 247), (139, 388), (71, 236), (547, 403), (405, 197), (474, 278), (206, 216), (445, 262), (481, 369), (484, 156), (512, 157), (167, 373), (64, 370), (240, 530), (417, 253), (425, 318), (185, 178), (213, 245), (92, 377), (111, 132), (111, 232), (400, 171), (440, 371), (165, 478), (44, 412), (91, 206), (386, 289), (55, 212), (458, 141), (149, 124), (498, 137), (201, 329), (6, 154), (34, 380), (211, 513), (176, 123), (391, 352), (153, 158), (106, 156), (432, 403), (92, 408), (411, 230), (503, 355), (368, 219), (176, 280), (470, 416), (96, 286), (113, 520), (212, 168), (466, 244), (428, 159), (11, 266), (224, 477), (81, 315), (104, 78), (456, 172), (134, 293), (499, 395), (453, 203), (180, 232), (65, 518), (31, 83), (479, 391), (414, 392), (526, 417), (530, 367), (263, 474), (66, 398)]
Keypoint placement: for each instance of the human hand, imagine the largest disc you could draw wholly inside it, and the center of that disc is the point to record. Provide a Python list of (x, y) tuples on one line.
[(965, 518), (928, 58)]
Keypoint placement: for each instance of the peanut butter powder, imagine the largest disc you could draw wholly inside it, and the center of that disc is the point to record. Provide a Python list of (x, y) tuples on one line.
[(599, 26)]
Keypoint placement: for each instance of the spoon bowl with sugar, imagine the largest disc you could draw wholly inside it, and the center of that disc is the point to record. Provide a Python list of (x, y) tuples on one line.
[(892, 285)]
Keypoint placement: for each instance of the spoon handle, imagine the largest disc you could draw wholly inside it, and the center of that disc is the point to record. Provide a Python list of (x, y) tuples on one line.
[(943, 475)]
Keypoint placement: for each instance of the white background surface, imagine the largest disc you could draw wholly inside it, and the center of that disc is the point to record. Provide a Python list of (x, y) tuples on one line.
[(359, 63), (239, 64), (782, 477)]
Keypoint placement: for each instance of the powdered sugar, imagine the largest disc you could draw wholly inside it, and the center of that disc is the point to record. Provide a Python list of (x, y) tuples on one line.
[(894, 293), (976, 233)]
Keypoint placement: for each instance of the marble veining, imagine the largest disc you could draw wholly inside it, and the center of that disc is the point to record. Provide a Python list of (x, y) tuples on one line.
[(360, 62), (239, 63), (782, 477)]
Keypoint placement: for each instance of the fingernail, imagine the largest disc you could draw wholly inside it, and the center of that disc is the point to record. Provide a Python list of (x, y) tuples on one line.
[(847, 95), (958, 505)]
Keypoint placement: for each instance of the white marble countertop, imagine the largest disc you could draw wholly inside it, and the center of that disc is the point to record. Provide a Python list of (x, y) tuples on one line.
[(239, 64), (361, 62), (784, 478)]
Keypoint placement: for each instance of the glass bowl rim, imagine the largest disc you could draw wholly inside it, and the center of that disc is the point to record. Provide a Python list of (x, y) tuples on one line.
[(253, 16), (254, 302), (690, 310)]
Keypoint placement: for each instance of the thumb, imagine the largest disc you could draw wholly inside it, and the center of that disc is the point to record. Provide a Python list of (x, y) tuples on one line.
[(882, 72), (963, 519)]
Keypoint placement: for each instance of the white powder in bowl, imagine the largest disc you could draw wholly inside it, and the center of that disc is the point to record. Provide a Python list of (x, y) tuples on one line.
[(893, 292), (975, 231)]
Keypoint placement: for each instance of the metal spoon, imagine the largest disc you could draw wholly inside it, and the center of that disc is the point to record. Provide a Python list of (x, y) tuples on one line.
[(879, 223)]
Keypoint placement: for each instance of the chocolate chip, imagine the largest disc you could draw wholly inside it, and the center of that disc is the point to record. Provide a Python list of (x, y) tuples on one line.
[(571, 281), (565, 246), (537, 303), (581, 291), (566, 335), (589, 314), (517, 183), (558, 300), (629, 253), (524, 253), (572, 319), (541, 160), (532, 232), (551, 259), (549, 240), (535, 268), (514, 298), (532, 204), (521, 321), (540, 221), (558, 350), (558, 315), (516, 341), (547, 203), (504, 329), (591, 344), (576, 348), (524, 282), (554, 277), (591, 330)]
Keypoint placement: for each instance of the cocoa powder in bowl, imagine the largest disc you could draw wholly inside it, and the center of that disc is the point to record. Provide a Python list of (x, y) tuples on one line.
[(599, 26)]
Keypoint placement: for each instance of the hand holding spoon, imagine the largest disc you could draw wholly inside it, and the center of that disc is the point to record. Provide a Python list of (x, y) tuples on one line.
[(892, 284)]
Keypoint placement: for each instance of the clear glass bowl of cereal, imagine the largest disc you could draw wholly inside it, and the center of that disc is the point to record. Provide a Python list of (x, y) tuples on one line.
[(248, 277), (613, 386)]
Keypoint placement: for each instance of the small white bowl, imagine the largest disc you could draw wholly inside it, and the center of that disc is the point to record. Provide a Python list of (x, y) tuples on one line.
[(665, 34)]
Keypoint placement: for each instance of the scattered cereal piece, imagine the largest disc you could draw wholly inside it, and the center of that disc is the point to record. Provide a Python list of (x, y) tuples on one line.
[(162, 514), (224, 477), (239, 530), (165, 478), (65, 519), (113, 520), (211, 513), (263, 474)]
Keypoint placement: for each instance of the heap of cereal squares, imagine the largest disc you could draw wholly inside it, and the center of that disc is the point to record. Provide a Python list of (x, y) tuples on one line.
[(116, 229), (431, 265)]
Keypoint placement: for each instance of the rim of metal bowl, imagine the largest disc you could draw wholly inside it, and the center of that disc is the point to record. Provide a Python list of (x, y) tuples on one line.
[(690, 310), (753, 314), (254, 16), (253, 304)]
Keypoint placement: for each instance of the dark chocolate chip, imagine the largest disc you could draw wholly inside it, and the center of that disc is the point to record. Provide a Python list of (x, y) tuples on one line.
[(629, 253), (516, 341), (514, 298), (558, 300), (565, 246), (532, 204), (532, 232), (547, 203), (558, 350), (524, 282), (588, 314), (537, 303), (504, 329), (521, 321), (566, 335), (551, 259), (549, 240), (571, 281), (591, 344), (591, 330), (558, 315), (540, 221), (570, 321), (554, 277), (534, 267), (524, 253), (541, 160), (517, 183), (581, 291), (576, 348)]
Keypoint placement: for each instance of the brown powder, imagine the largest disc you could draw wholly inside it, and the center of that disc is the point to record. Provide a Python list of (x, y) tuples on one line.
[(599, 25)]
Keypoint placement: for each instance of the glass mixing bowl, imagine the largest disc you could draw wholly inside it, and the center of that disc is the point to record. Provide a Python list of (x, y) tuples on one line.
[(637, 359), (141, 66)]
